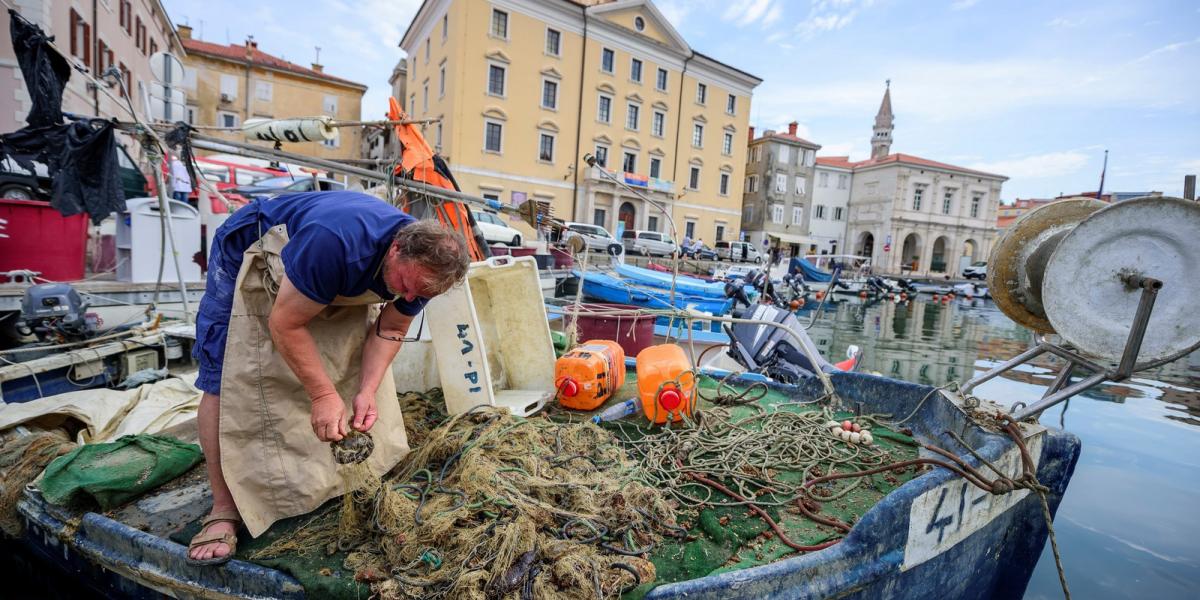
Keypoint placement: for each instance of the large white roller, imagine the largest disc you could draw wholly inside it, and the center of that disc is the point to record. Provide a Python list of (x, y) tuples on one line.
[(300, 129)]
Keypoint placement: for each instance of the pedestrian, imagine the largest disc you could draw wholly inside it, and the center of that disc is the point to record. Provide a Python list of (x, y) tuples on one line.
[(295, 351), (181, 180)]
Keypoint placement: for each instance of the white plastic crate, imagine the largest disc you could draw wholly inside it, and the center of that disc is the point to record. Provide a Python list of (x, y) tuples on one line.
[(492, 338)]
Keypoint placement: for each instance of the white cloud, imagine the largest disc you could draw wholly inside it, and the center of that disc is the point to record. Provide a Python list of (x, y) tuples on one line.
[(1053, 164), (842, 149), (1064, 23), (1175, 47), (745, 12), (773, 15), (675, 11), (963, 4), (830, 15)]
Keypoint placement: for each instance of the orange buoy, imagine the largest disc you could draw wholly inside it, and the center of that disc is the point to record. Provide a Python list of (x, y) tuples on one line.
[(936, 297), (795, 304), (862, 294), (903, 296), (820, 295), (800, 303), (589, 374)]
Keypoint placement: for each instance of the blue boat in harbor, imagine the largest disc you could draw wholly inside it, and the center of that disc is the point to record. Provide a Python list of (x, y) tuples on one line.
[(606, 288), (683, 283)]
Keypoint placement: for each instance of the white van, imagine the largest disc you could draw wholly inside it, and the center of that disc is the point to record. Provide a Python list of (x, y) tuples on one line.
[(738, 252), (647, 243)]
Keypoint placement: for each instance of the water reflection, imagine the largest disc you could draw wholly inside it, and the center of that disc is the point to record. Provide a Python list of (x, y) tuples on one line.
[(1127, 525)]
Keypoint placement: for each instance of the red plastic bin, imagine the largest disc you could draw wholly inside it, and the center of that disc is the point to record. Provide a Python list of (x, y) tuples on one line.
[(40, 239)]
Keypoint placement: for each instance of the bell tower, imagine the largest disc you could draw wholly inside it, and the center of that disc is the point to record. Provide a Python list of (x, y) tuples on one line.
[(881, 138)]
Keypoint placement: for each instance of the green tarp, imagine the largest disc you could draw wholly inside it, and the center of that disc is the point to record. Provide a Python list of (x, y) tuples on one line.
[(116, 472)]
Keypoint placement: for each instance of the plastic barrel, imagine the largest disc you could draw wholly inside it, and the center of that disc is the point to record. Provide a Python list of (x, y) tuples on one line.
[(634, 334), (40, 239)]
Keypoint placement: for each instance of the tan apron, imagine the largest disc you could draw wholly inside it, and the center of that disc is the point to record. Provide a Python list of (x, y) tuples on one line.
[(273, 462)]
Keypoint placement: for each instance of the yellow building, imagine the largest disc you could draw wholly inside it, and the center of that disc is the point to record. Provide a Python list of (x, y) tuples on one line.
[(227, 84), (526, 88)]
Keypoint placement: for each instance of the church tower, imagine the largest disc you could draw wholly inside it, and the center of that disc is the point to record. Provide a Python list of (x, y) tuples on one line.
[(881, 139)]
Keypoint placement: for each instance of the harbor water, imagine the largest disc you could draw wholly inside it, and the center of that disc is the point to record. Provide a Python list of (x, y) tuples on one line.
[(1127, 526)]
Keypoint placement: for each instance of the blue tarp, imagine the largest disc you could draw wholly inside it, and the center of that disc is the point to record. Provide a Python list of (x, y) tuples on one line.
[(809, 272)]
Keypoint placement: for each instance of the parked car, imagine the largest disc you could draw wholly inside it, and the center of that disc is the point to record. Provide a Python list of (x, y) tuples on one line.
[(287, 184), (593, 236), (977, 270), (495, 230), (738, 252), (16, 183), (704, 252), (647, 243)]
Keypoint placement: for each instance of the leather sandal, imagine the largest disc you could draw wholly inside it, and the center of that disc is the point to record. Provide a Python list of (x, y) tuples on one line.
[(203, 538)]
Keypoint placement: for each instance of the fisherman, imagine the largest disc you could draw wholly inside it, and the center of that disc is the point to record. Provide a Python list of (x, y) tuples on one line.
[(291, 341)]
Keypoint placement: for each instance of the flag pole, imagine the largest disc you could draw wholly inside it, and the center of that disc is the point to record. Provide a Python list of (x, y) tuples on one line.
[(1100, 193)]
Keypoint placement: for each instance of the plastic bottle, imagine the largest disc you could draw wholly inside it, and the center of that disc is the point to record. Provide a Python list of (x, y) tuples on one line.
[(666, 383), (617, 411), (589, 374)]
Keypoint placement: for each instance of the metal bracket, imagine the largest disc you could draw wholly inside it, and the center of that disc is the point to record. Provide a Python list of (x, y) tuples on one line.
[(1062, 388)]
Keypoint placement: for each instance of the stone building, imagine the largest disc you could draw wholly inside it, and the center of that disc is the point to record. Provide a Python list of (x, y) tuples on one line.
[(831, 201), (918, 216), (381, 142), (776, 199), (525, 88), (227, 84)]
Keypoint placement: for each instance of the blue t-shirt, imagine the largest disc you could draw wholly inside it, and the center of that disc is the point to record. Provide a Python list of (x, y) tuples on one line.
[(337, 241)]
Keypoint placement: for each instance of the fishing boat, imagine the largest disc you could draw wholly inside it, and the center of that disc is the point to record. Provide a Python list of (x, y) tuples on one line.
[(855, 276), (664, 280), (606, 288)]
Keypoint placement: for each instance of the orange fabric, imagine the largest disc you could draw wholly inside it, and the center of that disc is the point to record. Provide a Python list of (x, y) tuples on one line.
[(416, 163)]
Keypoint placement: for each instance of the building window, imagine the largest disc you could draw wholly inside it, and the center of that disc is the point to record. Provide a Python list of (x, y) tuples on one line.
[(425, 97), (153, 47), (499, 23), (81, 38), (127, 78), (105, 56), (334, 143), (697, 135), (496, 77), (493, 134), (785, 154), (918, 195), (631, 116), (412, 103), (546, 148), (140, 32), (652, 223), (262, 90), (607, 58), (599, 216), (491, 196), (604, 109), (947, 201), (629, 162), (602, 155), (127, 16), (427, 51), (752, 184), (445, 27), (226, 119), (655, 167), (330, 105), (724, 187), (797, 214), (731, 104), (976, 200), (658, 123), (727, 144), (694, 179), (838, 213), (439, 137), (229, 87), (720, 233), (801, 184), (701, 93), (819, 211), (843, 181), (190, 113), (639, 23), (689, 229), (635, 70), (660, 82), (553, 42), (549, 94), (781, 183), (823, 180), (777, 213)]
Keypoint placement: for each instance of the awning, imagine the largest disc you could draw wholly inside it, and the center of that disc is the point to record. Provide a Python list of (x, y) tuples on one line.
[(791, 239)]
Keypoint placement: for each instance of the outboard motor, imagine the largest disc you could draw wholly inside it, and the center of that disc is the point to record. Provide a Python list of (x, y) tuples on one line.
[(54, 312), (770, 350)]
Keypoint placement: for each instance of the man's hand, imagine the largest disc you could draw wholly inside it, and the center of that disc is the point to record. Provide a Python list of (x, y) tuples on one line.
[(365, 412), (329, 417)]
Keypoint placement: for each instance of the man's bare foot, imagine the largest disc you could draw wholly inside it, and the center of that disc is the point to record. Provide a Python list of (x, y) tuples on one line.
[(217, 539)]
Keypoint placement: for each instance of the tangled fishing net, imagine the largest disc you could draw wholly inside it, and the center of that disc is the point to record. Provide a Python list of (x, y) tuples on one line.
[(495, 506), (22, 459)]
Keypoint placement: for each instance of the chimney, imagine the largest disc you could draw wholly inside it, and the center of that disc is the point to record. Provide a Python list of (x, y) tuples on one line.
[(752, 133), (185, 32), (792, 128), (318, 67), (251, 44)]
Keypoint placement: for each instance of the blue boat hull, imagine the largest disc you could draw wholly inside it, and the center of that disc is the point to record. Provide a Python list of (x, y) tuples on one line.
[(683, 283), (968, 544), (610, 289)]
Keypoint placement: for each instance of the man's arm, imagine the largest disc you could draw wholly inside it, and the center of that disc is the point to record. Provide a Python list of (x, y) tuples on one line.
[(378, 353), (288, 324)]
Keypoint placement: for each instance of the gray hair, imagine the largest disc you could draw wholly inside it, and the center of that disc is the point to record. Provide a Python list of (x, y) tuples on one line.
[(438, 248)]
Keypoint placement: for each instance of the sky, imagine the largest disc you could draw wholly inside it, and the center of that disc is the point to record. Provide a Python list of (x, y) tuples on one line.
[(1033, 90)]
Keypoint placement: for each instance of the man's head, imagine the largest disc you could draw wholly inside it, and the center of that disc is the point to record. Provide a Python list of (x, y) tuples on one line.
[(424, 260)]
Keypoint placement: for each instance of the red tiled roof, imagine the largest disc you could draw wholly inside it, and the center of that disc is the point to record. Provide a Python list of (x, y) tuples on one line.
[(908, 159), (786, 137), (238, 53)]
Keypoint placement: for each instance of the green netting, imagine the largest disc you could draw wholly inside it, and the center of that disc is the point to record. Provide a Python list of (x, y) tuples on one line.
[(720, 538), (116, 472)]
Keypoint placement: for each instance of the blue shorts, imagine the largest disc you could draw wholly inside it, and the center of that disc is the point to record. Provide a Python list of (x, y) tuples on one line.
[(231, 239)]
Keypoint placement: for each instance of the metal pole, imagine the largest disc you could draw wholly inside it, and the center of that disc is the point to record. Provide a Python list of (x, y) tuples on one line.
[(1029, 354), (1063, 394), (164, 207), (1141, 319)]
